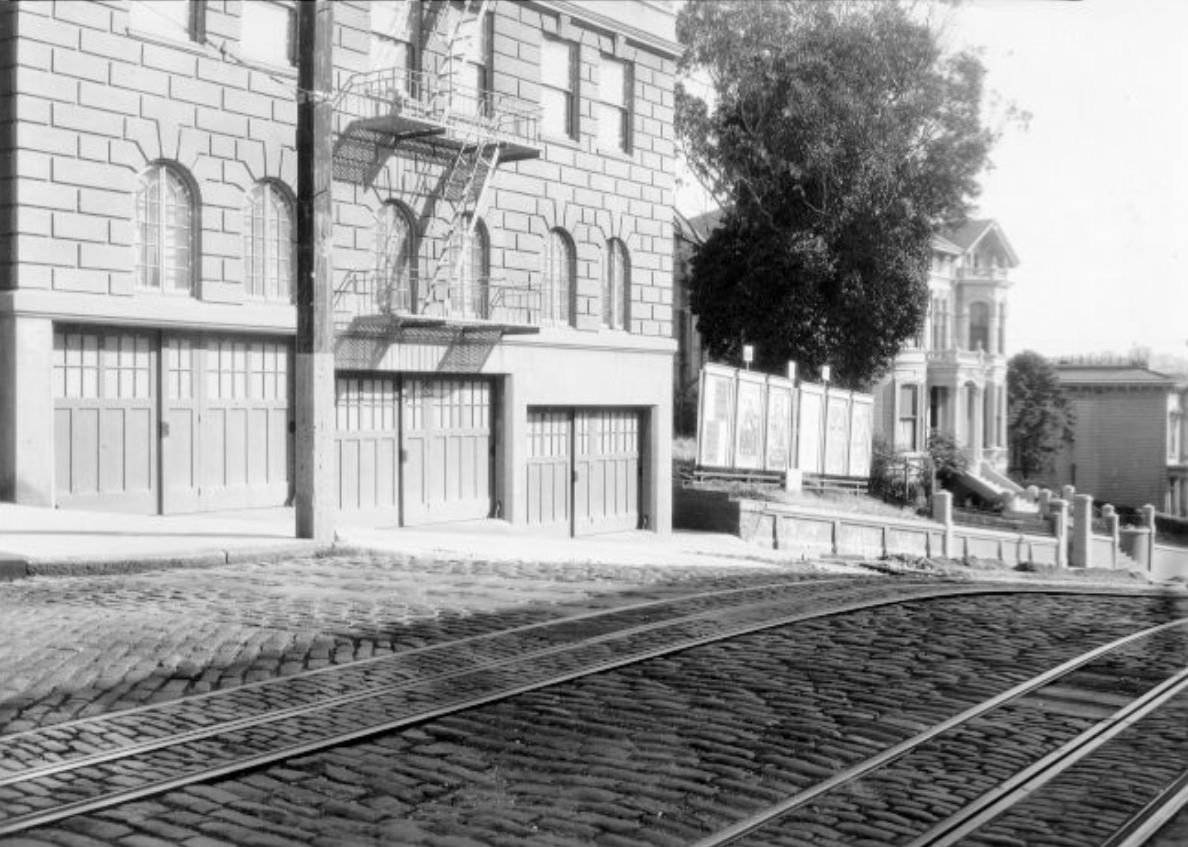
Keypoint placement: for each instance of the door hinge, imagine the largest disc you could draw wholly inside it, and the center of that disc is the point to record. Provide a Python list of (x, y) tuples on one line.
[(164, 428)]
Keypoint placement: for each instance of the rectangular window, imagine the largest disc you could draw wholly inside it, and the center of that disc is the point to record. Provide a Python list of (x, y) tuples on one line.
[(393, 48), (614, 105), (180, 20), (906, 437), (268, 33), (558, 88)]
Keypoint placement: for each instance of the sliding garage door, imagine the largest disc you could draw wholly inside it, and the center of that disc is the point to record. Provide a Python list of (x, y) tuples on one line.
[(105, 433)]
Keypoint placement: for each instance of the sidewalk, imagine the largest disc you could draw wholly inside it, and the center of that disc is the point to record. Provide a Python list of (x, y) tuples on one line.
[(43, 541)]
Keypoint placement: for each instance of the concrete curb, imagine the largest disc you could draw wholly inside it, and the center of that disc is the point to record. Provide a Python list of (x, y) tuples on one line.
[(116, 565)]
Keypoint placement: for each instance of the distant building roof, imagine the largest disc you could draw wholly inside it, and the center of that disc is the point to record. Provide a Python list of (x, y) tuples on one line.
[(1081, 374), (971, 232), (944, 245), (705, 223)]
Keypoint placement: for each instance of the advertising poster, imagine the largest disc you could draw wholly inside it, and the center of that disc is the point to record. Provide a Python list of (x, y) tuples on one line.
[(837, 436), (716, 419), (779, 428), (748, 443), (861, 418), (811, 406)]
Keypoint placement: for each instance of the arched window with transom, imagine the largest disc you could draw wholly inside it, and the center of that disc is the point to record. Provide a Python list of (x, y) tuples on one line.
[(395, 258), (165, 229), (616, 285), (560, 271), (269, 242)]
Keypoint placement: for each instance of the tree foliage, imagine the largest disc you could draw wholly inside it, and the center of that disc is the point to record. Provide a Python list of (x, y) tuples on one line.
[(838, 138), (1040, 417)]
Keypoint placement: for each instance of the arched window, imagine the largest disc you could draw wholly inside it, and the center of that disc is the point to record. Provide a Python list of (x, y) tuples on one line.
[(395, 259), (269, 242), (165, 231), (560, 269), (979, 326), (470, 253), (616, 285)]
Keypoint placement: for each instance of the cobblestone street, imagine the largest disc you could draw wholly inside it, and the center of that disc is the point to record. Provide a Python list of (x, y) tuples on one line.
[(659, 753), (76, 646)]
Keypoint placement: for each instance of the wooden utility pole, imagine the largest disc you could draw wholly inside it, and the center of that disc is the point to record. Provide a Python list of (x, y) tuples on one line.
[(314, 380)]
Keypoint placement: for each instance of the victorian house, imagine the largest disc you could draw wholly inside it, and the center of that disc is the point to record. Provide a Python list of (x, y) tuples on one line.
[(952, 377)]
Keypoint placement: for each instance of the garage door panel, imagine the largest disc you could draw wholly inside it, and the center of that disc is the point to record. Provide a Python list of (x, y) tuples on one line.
[(367, 451), (84, 451), (137, 449), (104, 419), (235, 460), (447, 442), (607, 441), (258, 433), (63, 449)]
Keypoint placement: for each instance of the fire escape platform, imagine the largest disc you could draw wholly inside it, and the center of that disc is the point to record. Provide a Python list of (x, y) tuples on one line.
[(437, 136), (391, 326)]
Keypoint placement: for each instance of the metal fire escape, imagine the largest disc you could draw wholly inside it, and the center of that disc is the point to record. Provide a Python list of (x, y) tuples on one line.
[(435, 117)]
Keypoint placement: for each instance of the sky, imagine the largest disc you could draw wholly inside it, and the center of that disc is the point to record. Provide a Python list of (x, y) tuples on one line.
[(1093, 192)]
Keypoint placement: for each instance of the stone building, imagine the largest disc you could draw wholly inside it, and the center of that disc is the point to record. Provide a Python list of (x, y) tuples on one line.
[(1130, 434), (502, 258), (952, 377)]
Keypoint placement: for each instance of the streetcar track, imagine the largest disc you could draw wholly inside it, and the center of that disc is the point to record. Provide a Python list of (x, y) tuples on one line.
[(901, 593), (993, 803), (1112, 725)]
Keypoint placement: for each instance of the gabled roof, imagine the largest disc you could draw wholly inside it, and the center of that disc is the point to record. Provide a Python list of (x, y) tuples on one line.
[(944, 245), (705, 223), (969, 234)]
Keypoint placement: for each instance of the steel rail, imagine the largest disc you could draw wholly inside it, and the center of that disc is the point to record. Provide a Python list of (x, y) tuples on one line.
[(415, 651), (996, 801), (753, 822), (920, 591), (275, 715), (1145, 823)]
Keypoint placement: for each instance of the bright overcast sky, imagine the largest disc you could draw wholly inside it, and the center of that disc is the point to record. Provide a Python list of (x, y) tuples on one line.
[(1093, 195)]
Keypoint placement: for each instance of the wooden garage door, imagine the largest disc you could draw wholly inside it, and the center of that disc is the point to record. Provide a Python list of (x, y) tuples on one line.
[(549, 468), (105, 433), (225, 439), (368, 446), (446, 439), (606, 471), (246, 442)]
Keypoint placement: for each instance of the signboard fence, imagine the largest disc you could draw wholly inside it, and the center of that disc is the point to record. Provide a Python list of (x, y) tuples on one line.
[(749, 421)]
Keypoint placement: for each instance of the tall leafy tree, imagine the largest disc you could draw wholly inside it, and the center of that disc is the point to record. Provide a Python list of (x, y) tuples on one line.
[(1040, 417), (838, 137)]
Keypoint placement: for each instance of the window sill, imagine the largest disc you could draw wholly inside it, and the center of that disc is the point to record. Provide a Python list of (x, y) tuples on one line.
[(617, 153), (560, 140), (181, 42), (266, 67)]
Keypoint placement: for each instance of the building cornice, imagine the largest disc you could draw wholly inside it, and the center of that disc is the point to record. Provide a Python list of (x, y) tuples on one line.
[(643, 38)]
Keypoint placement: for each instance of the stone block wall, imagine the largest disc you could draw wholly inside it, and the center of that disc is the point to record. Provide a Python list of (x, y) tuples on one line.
[(95, 103)]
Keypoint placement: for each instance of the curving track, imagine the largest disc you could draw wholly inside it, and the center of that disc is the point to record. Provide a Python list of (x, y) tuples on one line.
[(86, 765), (1004, 770)]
